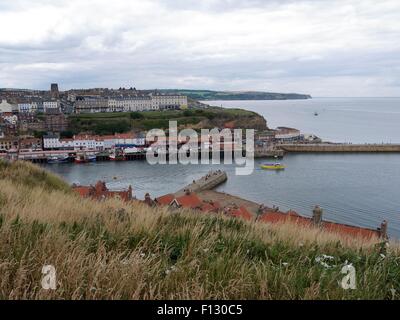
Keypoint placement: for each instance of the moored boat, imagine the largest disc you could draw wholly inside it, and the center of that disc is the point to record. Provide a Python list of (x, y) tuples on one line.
[(58, 159), (273, 166), (117, 155)]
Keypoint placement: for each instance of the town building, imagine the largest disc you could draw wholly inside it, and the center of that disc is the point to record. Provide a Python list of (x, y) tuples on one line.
[(55, 94), (7, 144), (91, 105), (88, 142), (30, 143), (6, 107), (161, 102), (28, 107), (51, 142), (286, 134), (51, 106), (100, 192), (139, 103)]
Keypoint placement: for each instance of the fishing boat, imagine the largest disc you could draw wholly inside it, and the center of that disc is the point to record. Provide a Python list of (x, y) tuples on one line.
[(117, 155), (58, 159), (85, 158), (91, 158), (81, 158), (273, 166)]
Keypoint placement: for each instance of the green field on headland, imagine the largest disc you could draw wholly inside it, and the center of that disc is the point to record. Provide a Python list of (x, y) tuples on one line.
[(115, 250), (234, 95), (109, 123)]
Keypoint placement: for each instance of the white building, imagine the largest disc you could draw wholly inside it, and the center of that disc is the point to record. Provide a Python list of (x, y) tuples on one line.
[(29, 107), (87, 142), (168, 102), (51, 142), (6, 107), (142, 103), (51, 105)]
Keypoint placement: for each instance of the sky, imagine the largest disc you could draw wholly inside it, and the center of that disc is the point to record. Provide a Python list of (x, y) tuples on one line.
[(333, 48)]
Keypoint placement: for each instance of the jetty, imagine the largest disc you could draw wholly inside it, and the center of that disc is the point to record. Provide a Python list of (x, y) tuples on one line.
[(208, 182), (339, 148)]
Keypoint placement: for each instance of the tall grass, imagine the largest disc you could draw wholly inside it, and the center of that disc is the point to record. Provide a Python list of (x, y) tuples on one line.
[(116, 250)]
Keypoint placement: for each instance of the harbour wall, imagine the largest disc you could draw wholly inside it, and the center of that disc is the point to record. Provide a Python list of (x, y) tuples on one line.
[(340, 148), (207, 182)]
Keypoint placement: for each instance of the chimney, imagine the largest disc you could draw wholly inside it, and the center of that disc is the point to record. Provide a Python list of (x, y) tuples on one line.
[(147, 199), (130, 192), (383, 230), (317, 215)]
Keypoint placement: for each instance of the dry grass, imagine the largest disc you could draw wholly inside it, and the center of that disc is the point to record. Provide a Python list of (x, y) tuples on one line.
[(114, 250)]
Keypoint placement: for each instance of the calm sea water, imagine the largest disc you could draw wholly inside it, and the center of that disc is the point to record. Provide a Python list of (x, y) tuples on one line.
[(359, 189), (357, 120)]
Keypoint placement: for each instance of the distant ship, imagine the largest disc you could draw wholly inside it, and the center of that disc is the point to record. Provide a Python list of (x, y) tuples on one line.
[(315, 113)]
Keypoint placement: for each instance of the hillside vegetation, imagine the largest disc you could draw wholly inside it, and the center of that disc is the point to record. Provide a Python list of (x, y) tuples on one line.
[(119, 122), (235, 95), (116, 250)]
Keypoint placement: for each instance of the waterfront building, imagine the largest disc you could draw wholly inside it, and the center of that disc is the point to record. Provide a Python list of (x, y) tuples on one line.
[(67, 144), (88, 142), (30, 143), (7, 144), (287, 134), (51, 142)]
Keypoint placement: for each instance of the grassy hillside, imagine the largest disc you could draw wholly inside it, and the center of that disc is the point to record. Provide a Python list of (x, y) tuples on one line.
[(109, 123), (114, 250)]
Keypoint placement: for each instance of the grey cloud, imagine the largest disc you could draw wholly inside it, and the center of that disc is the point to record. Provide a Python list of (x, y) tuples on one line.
[(260, 45)]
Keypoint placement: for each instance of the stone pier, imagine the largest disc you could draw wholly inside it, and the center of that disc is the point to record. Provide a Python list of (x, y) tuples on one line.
[(208, 182)]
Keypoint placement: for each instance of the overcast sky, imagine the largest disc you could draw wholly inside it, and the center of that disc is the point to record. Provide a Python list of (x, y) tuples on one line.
[(324, 48)]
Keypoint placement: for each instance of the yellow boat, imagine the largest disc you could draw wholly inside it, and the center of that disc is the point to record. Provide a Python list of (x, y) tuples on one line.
[(273, 166)]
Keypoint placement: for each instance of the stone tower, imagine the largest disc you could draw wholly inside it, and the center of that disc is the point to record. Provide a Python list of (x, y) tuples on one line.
[(54, 91)]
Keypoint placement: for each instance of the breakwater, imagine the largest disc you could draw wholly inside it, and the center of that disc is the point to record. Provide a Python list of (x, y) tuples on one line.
[(207, 182), (338, 148)]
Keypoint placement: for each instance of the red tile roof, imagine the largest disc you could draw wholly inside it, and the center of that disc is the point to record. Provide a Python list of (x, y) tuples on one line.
[(291, 216), (100, 191), (189, 201), (165, 199), (240, 212)]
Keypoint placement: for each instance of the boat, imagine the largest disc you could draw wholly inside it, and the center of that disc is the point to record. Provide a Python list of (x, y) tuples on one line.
[(85, 158), (81, 158), (273, 166), (91, 158), (58, 159), (315, 113), (117, 155)]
